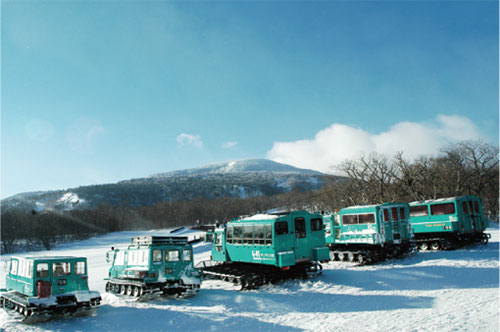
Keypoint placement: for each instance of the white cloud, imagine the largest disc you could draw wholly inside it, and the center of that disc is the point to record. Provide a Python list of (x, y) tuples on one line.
[(332, 145), (187, 139), (229, 145)]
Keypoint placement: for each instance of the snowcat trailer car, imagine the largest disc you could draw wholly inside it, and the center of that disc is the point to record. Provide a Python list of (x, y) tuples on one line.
[(266, 248), (39, 288), (369, 233), (153, 265), (448, 223)]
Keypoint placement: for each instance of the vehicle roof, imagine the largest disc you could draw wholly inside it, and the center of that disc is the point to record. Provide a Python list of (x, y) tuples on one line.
[(447, 199), (50, 258), (372, 206), (270, 217)]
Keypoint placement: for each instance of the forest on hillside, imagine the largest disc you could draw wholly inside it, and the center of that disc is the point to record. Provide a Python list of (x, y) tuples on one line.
[(469, 167)]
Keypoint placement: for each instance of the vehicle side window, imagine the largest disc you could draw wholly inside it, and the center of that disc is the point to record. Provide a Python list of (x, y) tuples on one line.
[(366, 218), (79, 268), (281, 227), (464, 207), (119, 258), (471, 208), (61, 269), (13, 266), (259, 234), (157, 255), (42, 270), (419, 211), (394, 212), (269, 234), (476, 206), (229, 234), (172, 256), (300, 228), (349, 219), (238, 233), (441, 209), (316, 224), (248, 234), (187, 255)]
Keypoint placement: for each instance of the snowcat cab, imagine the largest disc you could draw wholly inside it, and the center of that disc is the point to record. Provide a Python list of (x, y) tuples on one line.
[(40, 287), (153, 265)]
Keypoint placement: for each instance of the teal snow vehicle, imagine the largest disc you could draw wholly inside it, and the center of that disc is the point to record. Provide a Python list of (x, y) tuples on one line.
[(447, 223), (265, 248), (369, 233), (153, 265), (38, 288)]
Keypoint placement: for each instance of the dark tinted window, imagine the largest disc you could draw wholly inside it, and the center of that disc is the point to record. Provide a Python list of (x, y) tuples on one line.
[(394, 212), (366, 218), (386, 215), (281, 227), (349, 219), (402, 213), (464, 207), (229, 234), (300, 227), (419, 211), (440, 209), (476, 206), (316, 224)]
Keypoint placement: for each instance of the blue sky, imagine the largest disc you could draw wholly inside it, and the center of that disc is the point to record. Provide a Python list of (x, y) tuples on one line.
[(101, 91)]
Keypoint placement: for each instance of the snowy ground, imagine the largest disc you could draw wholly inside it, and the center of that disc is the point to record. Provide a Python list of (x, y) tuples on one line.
[(433, 291)]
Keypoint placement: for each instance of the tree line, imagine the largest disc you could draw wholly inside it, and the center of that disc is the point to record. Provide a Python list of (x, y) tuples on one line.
[(464, 168)]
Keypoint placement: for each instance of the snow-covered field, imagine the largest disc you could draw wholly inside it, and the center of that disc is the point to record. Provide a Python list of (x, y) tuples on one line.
[(433, 291)]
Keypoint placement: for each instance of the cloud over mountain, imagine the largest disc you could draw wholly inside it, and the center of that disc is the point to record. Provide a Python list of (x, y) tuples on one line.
[(338, 142)]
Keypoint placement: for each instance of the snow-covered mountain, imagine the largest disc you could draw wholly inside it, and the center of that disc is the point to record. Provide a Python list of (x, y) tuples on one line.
[(241, 166), (242, 179)]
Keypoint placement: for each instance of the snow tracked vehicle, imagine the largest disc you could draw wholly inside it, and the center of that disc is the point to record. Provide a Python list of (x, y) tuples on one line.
[(369, 233), (260, 249), (153, 265), (39, 288), (448, 223)]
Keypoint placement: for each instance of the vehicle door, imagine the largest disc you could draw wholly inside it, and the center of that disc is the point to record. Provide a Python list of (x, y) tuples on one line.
[(42, 279), (301, 239), (61, 277)]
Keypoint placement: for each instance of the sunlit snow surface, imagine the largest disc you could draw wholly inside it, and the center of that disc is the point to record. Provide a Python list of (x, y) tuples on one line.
[(434, 291)]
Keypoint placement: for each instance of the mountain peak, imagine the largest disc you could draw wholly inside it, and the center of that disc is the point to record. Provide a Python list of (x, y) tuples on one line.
[(241, 166)]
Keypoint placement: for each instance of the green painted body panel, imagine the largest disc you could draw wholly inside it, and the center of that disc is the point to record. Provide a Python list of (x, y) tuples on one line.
[(261, 242), (459, 215), (369, 224), (151, 262), (26, 272)]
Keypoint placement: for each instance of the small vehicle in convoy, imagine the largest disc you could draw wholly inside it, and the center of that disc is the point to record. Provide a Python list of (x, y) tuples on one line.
[(153, 265), (259, 249), (448, 223), (38, 288), (369, 233)]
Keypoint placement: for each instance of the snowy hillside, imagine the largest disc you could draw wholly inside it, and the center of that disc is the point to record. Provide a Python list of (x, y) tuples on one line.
[(238, 179), (433, 291), (241, 166)]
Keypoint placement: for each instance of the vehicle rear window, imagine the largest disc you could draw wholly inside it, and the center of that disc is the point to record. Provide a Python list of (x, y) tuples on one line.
[(79, 268), (61, 269), (394, 212), (441, 209)]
